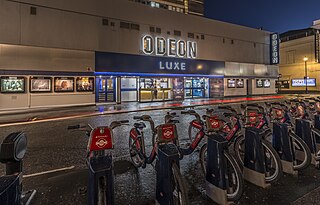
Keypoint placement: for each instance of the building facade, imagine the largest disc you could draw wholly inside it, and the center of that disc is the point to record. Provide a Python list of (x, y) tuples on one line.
[(58, 53), (299, 57), (195, 7)]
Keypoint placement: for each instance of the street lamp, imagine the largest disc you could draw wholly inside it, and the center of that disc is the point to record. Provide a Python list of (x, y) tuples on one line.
[(305, 59)]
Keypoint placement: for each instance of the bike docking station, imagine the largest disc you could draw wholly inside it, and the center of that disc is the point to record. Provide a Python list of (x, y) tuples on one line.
[(282, 143), (216, 181), (13, 149), (317, 135), (100, 166), (304, 131), (168, 154), (254, 161)]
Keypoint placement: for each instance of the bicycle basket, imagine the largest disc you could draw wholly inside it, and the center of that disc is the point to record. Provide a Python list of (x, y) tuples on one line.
[(101, 138), (166, 133), (252, 117), (214, 124), (277, 113), (317, 107)]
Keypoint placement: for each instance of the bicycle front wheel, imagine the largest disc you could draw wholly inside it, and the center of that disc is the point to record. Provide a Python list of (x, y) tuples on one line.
[(272, 159), (102, 198), (233, 174), (179, 190), (300, 146)]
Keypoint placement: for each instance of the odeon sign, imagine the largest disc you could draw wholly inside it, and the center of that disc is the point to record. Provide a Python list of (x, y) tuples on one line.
[(170, 47)]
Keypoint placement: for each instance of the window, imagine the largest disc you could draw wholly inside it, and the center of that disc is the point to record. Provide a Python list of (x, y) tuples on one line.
[(135, 26), (190, 35), (202, 37), (152, 29), (170, 7), (105, 22), (124, 25), (113, 24), (177, 33), (168, 32), (232, 42), (33, 10), (291, 58), (158, 30), (223, 40), (254, 45)]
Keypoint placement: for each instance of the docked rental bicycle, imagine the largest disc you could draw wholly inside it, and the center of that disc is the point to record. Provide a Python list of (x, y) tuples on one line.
[(233, 133), (234, 175), (170, 189), (100, 186)]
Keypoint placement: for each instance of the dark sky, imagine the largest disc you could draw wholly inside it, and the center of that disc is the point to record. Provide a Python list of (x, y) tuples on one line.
[(272, 15)]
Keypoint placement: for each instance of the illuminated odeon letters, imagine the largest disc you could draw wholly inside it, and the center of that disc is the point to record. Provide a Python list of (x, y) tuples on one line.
[(169, 47)]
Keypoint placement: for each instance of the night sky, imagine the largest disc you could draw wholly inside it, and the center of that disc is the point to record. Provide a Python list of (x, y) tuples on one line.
[(272, 15)]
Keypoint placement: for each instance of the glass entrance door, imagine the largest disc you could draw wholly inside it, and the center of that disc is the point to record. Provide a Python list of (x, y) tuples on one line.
[(195, 87), (105, 89)]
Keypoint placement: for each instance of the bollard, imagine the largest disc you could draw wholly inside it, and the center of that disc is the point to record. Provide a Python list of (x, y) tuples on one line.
[(100, 171), (283, 145), (216, 182), (254, 160), (167, 153)]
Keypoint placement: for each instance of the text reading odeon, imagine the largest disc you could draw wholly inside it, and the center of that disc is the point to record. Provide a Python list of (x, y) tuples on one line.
[(169, 47)]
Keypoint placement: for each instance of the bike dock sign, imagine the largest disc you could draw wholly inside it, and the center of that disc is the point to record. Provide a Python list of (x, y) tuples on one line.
[(100, 139)]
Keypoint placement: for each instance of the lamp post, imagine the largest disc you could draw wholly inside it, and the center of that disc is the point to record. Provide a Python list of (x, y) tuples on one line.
[(305, 59)]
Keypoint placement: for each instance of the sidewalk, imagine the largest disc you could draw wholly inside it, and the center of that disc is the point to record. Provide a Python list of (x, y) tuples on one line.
[(52, 114)]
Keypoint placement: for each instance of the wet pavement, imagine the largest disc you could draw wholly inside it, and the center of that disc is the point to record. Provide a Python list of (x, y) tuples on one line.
[(51, 146)]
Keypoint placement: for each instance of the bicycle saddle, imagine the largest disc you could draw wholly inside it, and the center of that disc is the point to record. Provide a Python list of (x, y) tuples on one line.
[(139, 125)]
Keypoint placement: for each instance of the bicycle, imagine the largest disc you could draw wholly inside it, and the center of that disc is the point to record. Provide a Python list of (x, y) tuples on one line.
[(278, 113), (165, 138), (235, 180), (233, 133), (100, 190)]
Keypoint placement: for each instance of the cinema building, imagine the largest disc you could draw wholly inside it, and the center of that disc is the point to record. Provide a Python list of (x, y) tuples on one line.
[(78, 52)]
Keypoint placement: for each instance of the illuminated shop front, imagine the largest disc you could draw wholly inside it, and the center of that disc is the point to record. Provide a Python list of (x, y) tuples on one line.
[(144, 79)]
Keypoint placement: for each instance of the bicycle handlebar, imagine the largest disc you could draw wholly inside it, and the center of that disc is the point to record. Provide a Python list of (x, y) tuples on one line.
[(191, 112)]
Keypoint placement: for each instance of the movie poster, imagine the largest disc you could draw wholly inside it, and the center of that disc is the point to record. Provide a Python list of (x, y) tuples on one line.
[(40, 84), (178, 88), (12, 84), (85, 84), (63, 84)]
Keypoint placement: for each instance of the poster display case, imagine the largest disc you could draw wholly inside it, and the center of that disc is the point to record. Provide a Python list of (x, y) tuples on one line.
[(259, 83), (240, 83), (12, 84), (267, 83), (40, 84), (231, 83), (64, 84), (85, 84)]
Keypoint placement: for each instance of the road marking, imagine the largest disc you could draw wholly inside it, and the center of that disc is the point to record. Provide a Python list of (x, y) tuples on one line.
[(49, 172), (146, 109)]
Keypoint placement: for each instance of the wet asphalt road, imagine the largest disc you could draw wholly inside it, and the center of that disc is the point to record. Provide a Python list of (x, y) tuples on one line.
[(52, 146)]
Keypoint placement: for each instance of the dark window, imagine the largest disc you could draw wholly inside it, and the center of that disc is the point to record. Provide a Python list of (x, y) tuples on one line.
[(232, 42), (254, 45), (33, 10), (202, 37), (135, 26), (223, 40), (112, 24), (152, 29), (168, 32), (177, 33), (158, 30), (197, 37), (105, 22), (124, 25), (190, 35)]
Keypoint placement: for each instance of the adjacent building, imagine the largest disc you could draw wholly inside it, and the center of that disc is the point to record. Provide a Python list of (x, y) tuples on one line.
[(195, 7), (77, 52), (300, 58)]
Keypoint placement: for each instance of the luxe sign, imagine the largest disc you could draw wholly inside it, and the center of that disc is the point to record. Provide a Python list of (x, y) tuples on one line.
[(169, 47)]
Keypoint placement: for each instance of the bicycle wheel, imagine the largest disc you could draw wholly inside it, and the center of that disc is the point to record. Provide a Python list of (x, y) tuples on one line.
[(135, 153), (299, 145), (233, 174), (102, 198), (272, 159), (179, 190)]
